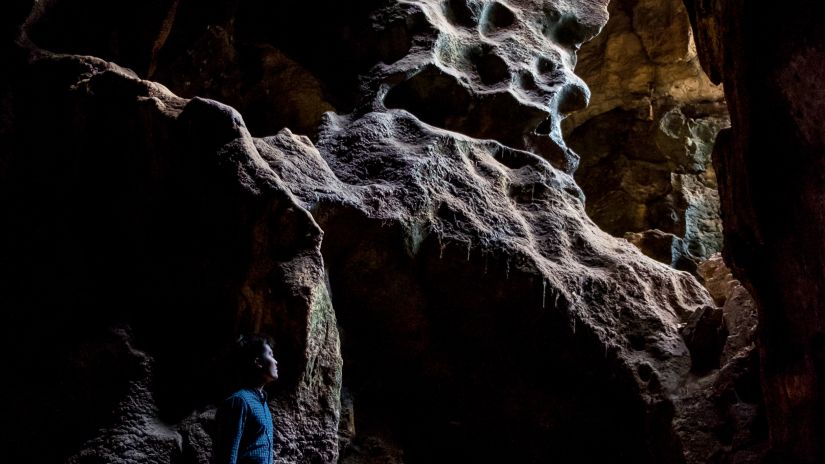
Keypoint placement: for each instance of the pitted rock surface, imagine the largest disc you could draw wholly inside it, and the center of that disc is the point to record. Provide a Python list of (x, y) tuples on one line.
[(501, 71)]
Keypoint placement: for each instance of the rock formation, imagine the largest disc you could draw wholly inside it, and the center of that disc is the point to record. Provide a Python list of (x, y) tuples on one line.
[(724, 396), (646, 137), (421, 253), (770, 170), (133, 212)]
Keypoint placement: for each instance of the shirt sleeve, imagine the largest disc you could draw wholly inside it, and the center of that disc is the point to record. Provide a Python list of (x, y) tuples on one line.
[(230, 419)]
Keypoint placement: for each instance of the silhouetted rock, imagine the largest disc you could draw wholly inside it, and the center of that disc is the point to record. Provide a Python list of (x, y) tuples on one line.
[(773, 216)]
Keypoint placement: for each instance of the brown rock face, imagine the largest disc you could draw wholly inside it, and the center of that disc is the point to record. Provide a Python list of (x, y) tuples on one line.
[(773, 216), (738, 306), (646, 138), (426, 251), (723, 397)]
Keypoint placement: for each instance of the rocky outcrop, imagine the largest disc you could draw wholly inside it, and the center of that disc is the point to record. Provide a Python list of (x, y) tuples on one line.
[(772, 213), (426, 250), (646, 137), (475, 266), (133, 211)]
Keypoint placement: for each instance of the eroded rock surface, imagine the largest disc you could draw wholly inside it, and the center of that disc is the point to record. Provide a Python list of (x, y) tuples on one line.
[(432, 221), (647, 135), (724, 396), (475, 236)]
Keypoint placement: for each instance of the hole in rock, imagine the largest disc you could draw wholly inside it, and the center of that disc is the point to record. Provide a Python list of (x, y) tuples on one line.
[(459, 13), (525, 80), (496, 17), (571, 33), (437, 98), (491, 68), (547, 66), (645, 371), (545, 128)]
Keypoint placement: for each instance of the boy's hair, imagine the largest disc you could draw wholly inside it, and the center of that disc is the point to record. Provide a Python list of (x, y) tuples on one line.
[(245, 351)]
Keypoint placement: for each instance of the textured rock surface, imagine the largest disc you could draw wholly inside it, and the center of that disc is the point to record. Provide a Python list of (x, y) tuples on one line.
[(473, 234), (646, 138), (739, 309), (501, 72), (138, 209), (773, 217), (724, 397), (482, 316)]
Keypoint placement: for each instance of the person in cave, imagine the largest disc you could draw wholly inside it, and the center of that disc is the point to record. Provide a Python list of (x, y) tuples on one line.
[(244, 428)]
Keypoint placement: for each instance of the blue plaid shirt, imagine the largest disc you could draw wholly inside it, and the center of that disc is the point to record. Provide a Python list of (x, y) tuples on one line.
[(244, 429)]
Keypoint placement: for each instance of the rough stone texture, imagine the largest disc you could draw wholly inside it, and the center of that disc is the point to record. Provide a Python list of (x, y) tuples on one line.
[(141, 209), (717, 278), (503, 72), (482, 315), (645, 50), (646, 137), (135, 426), (773, 213), (724, 398), (738, 306), (472, 234)]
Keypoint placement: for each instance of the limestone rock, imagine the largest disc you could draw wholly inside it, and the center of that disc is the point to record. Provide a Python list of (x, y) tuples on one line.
[(135, 426), (646, 138), (504, 74), (717, 278), (663, 247), (480, 261), (645, 50)]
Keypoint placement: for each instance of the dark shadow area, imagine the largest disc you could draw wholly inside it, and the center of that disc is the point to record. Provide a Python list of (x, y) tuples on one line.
[(120, 217), (440, 100), (450, 362), (280, 64)]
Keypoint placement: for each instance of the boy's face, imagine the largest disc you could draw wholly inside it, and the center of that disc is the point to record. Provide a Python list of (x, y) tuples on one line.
[(268, 364)]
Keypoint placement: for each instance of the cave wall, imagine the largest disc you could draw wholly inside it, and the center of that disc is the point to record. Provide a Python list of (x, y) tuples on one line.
[(770, 170), (394, 203), (646, 138), (135, 247)]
